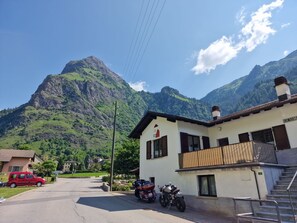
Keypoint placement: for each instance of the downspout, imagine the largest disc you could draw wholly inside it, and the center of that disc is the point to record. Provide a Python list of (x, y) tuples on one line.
[(257, 184)]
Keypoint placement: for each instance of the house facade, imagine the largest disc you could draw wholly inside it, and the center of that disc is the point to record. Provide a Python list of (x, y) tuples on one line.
[(213, 162), (16, 160)]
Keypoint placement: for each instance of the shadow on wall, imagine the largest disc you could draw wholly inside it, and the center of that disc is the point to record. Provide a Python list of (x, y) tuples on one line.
[(287, 156)]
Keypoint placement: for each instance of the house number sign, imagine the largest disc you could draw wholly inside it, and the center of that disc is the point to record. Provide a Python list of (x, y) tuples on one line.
[(294, 118)]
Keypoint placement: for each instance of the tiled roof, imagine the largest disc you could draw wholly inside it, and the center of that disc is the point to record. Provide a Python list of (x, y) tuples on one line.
[(149, 116), (255, 110), (7, 154)]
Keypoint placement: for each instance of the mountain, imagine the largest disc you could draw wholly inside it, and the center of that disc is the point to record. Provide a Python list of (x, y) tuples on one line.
[(255, 88), (73, 112), (170, 101)]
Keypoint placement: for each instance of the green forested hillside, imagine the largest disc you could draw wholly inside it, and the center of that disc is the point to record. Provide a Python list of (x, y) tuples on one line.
[(247, 91), (71, 114)]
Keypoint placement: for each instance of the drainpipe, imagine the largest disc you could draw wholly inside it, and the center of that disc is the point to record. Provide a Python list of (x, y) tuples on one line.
[(257, 184)]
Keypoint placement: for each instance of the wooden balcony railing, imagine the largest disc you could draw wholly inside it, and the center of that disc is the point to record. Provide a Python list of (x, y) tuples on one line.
[(230, 154)]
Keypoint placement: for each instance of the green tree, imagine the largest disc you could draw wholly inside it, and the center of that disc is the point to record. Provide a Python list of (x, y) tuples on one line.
[(38, 169), (49, 167), (24, 147), (127, 157)]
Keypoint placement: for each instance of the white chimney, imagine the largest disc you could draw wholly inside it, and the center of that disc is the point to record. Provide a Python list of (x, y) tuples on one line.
[(282, 88), (216, 112)]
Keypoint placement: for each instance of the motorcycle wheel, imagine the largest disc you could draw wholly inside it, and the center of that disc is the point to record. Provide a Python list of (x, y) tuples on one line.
[(151, 200), (136, 193), (162, 201), (180, 204)]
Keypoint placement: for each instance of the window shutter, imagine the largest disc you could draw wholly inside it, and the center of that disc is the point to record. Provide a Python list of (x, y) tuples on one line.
[(205, 141), (148, 150), (184, 142), (244, 137), (164, 146), (223, 141)]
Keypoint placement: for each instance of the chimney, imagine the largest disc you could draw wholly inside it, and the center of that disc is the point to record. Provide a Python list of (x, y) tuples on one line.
[(282, 88), (216, 112)]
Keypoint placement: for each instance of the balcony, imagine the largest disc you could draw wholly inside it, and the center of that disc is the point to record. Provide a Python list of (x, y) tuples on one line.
[(247, 152)]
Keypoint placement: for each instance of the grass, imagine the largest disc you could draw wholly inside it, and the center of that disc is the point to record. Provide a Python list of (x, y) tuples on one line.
[(3, 178), (7, 192), (82, 175)]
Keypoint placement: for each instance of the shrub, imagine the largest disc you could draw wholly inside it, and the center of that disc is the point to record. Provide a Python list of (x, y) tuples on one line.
[(105, 178), (54, 178), (119, 187)]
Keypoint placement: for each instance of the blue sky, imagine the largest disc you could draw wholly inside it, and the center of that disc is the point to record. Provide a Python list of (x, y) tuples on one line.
[(193, 46)]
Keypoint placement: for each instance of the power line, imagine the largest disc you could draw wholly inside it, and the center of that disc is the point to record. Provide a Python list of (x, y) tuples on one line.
[(140, 44), (129, 52), (137, 37), (147, 43), (144, 34)]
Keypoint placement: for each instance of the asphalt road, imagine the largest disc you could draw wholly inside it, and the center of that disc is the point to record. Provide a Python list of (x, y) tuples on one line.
[(82, 201)]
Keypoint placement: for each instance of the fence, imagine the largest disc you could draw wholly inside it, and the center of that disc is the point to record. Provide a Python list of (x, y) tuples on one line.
[(231, 154)]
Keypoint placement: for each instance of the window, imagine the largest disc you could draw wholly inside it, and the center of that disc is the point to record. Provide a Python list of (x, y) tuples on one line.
[(160, 147), (207, 186), (189, 143), (29, 176), (264, 136), (223, 141), (193, 143), (152, 179), (148, 150), (205, 141), (22, 176), (244, 137), (14, 168)]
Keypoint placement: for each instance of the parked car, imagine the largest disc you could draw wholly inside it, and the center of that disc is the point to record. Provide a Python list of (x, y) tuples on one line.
[(24, 179)]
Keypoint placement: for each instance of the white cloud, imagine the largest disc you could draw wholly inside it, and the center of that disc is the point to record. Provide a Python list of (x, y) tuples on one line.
[(252, 34), (138, 86), (258, 30), (218, 53), (285, 25), (286, 52), (241, 15)]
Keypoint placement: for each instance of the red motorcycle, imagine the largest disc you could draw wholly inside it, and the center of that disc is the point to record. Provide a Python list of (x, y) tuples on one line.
[(145, 190)]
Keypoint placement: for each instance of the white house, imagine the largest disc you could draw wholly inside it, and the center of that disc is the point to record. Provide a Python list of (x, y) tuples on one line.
[(232, 156)]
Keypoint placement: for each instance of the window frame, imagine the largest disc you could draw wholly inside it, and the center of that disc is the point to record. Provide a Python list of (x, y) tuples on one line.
[(264, 134), (15, 168), (211, 185), (185, 145), (160, 147)]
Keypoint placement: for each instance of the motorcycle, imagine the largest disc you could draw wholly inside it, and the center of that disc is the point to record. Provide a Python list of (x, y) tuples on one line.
[(171, 196), (145, 190)]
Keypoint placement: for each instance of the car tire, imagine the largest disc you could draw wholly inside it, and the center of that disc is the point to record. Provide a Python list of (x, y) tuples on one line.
[(39, 184), (13, 185)]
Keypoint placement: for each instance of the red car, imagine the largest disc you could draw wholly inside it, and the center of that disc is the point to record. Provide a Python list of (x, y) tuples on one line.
[(24, 179)]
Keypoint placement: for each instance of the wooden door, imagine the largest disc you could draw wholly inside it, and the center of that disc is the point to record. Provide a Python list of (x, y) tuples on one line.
[(281, 137)]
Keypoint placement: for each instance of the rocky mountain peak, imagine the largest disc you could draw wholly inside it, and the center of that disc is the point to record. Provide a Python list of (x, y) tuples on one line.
[(169, 91), (89, 62), (292, 55)]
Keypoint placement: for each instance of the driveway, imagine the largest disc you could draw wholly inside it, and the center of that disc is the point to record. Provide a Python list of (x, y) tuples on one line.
[(82, 201)]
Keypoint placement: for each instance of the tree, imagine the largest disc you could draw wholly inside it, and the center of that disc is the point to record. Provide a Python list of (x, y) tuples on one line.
[(87, 162), (127, 157), (38, 169), (49, 167)]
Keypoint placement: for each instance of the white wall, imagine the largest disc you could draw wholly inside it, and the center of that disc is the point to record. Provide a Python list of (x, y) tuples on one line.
[(163, 168), (235, 182), (255, 122), (197, 130)]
